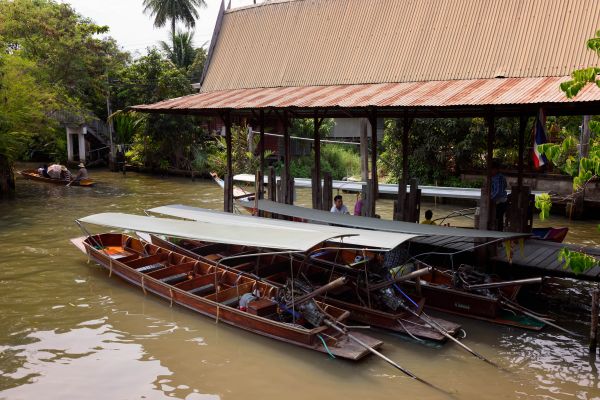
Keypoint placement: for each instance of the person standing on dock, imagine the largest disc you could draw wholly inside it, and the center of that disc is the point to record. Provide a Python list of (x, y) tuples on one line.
[(338, 206), (498, 194)]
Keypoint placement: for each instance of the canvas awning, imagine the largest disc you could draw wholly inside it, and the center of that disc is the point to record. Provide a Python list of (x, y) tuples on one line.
[(379, 224), (263, 237), (359, 237)]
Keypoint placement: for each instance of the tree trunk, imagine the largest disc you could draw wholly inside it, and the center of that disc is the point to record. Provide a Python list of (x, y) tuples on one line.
[(7, 178)]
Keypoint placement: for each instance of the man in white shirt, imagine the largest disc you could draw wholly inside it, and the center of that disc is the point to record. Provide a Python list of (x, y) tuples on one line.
[(338, 206)]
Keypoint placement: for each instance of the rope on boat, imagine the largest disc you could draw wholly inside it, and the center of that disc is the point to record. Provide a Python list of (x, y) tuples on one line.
[(408, 332), (171, 295), (325, 345), (110, 266)]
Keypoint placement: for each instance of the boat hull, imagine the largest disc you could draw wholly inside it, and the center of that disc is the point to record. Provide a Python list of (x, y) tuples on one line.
[(307, 338), (399, 322), (34, 176)]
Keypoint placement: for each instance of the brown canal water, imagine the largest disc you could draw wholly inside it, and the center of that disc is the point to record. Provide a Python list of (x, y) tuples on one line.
[(69, 331)]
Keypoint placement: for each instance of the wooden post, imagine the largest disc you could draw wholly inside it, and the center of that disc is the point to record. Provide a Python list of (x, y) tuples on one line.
[(522, 126), (414, 202), (261, 145), (485, 213), (402, 200), (271, 185), (594, 327), (258, 191), (327, 191), (287, 155), (316, 185), (365, 199), (364, 150), (228, 192), (375, 185)]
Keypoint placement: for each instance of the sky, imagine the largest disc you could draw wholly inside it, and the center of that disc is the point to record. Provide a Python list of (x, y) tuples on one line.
[(134, 30)]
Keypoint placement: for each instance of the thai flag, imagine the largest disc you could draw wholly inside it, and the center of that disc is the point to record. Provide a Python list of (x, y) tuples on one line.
[(539, 137)]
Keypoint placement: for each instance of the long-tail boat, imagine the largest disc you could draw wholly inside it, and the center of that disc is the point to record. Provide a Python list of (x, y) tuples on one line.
[(35, 176), (275, 269), (375, 314), (253, 304), (440, 289), (218, 293)]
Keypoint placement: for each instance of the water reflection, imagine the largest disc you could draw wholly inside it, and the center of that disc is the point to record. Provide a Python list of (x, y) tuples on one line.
[(69, 330)]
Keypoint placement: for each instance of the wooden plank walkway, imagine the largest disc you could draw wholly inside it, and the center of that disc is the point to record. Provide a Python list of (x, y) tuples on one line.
[(539, 256)]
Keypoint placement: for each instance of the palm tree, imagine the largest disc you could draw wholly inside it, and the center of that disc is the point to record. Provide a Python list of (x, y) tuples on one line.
[(181, 50), (173, 10)]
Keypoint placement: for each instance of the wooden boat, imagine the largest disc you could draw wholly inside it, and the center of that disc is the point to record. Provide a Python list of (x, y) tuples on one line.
[(275, 269), (33, 175), (441, 291), (218, 292), (550, 234), (244, 198)]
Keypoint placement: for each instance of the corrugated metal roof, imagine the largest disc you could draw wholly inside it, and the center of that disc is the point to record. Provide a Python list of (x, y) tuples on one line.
[(348, 42), (473, 93)]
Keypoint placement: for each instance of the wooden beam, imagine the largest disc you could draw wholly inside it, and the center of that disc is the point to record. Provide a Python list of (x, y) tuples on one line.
[(485, 216), (262, 140), (317, 196), (287, 154), (522, 126), (375, 186), (228, 192)]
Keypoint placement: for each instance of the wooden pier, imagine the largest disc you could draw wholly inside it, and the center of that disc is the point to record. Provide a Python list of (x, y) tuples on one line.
[(537, 256)]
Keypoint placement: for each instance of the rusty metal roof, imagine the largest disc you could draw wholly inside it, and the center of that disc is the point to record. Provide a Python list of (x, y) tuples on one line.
[(324, 43), (414, 95)]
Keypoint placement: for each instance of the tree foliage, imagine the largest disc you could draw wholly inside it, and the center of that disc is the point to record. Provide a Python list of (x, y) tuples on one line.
[(181, 50), (582, 77), (173, 11)]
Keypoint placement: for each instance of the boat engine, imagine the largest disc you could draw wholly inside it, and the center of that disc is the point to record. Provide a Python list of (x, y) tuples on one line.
[(389, 298), (311, 313), (309, 309)]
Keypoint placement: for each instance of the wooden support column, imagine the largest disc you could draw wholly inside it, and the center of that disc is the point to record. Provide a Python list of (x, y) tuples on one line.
[(287, 196), (327, 191), (364, 150), (402, 202), (374, 186), (260, 190), (522, 125), (228, 192), (485, 211), (316, 184)]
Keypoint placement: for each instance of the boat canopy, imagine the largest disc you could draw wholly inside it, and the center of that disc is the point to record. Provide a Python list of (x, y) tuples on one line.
[(352, 236), (379, 224), (264, 237)]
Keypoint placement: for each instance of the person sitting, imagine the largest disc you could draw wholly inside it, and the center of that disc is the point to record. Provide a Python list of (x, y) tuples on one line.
[(428, 216), (338, 205), (54, 171), (65, 174), (498, 195), (82, 173)]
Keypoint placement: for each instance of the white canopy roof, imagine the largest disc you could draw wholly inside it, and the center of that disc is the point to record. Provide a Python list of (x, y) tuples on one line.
[(258, 236), (359, 237)]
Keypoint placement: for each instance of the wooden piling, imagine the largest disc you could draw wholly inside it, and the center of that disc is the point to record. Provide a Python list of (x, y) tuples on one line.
[(271, 185), (327, 191), (594, 327), (258, 191)]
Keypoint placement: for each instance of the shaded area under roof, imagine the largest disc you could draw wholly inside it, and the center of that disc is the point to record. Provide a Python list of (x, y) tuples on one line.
[(508, 96)]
